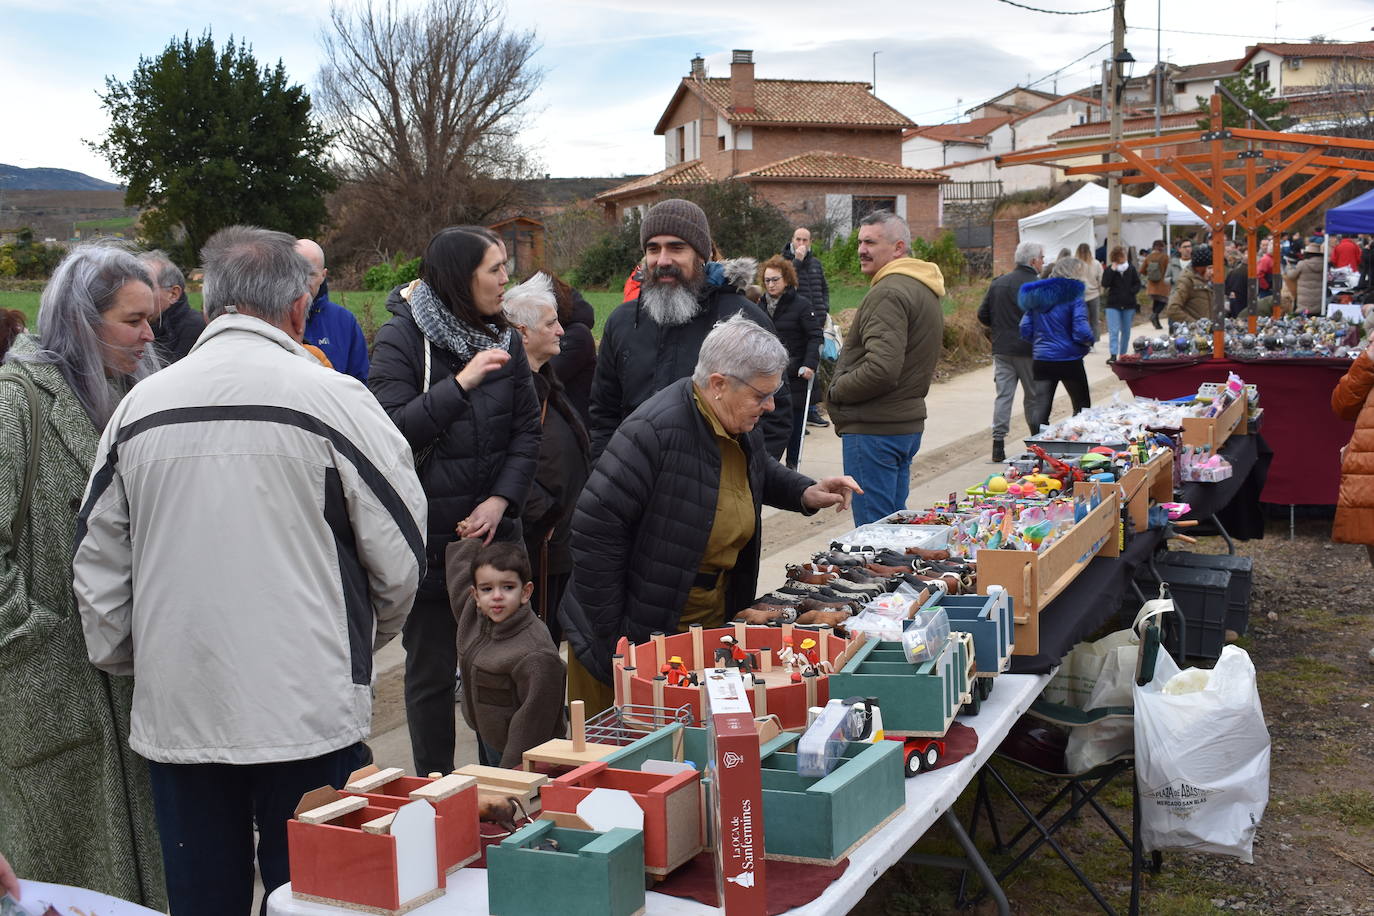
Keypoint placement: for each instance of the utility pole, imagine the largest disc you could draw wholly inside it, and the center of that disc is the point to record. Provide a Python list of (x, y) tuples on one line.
[(875, 72), (1113, 181), (1159, 71)]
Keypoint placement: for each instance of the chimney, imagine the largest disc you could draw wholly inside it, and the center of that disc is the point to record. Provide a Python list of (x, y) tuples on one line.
[(742, 82), (698, 68)]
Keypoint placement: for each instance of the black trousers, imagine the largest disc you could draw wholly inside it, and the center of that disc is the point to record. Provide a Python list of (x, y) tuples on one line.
[(205, 814), (1048, 374), (430, 637)]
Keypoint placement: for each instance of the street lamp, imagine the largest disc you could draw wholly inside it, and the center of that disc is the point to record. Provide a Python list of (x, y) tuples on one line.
[(1123, 63)]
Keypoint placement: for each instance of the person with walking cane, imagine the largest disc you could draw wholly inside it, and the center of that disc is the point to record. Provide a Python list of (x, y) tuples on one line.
[(799, 326)]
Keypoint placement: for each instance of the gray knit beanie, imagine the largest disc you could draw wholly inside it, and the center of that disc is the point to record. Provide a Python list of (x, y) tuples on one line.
[(680, 218)]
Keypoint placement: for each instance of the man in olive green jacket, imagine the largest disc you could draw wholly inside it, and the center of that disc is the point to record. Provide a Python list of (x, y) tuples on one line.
[(877, 399)]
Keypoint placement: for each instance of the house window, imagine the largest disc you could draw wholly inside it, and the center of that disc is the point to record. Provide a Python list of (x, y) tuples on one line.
[(862, 206), (1262, 72)]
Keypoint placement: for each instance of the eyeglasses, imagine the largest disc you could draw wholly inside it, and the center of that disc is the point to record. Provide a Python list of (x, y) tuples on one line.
[(772, 279), (759, 396)]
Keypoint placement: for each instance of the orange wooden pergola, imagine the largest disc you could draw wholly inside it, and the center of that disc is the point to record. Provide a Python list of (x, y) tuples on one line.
[(1224, 184)]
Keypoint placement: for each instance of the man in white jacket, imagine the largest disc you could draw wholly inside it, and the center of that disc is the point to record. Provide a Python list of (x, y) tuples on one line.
[(251, 534)]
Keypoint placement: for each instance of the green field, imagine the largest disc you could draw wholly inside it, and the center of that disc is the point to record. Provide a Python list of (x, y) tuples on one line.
[(112, 224)]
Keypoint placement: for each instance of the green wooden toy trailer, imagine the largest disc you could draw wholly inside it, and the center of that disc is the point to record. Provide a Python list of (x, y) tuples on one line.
[(920, 699), (589, 874), (988, 619)]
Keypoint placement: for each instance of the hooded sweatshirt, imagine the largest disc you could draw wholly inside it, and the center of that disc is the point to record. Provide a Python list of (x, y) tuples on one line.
[(890, 353), (512, 674)]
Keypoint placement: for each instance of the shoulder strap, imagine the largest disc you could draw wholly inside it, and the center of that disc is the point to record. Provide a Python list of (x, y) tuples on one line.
[(21, 517)]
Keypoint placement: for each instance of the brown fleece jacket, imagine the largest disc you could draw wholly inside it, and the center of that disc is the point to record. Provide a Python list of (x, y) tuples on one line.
[(512, 675)]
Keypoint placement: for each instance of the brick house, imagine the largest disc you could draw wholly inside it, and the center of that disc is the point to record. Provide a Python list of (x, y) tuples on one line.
[(818, 150)]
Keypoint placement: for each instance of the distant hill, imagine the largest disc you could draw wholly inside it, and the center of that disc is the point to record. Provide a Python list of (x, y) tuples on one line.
[(13, 178)]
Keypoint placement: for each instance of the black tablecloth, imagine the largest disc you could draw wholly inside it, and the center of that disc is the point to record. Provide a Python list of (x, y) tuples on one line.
[(1086, 604), (1235, 501)]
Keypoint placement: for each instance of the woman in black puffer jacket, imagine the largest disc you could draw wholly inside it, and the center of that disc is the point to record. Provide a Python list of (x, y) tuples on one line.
[(800, 326), (453, 376)]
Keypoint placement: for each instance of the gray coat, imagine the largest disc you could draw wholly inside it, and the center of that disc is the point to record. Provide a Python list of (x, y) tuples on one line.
[(75, 805)]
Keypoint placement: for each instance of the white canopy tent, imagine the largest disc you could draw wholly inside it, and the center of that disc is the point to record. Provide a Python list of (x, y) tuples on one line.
[(1179, 215), (1082, 217)]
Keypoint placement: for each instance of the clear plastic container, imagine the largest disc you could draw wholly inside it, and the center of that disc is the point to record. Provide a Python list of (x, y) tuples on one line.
[(925, 634)]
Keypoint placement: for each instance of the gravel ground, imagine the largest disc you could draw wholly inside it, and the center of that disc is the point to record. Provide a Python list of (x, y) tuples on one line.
[(1310, 636)]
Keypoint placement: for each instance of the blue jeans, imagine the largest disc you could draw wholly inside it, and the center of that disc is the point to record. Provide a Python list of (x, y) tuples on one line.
[(882, 466), (1119, 330)]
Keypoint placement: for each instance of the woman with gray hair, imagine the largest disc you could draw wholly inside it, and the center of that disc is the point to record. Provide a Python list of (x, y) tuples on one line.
[(64, 726), (668, 528), (564, 448), (1055, 321)]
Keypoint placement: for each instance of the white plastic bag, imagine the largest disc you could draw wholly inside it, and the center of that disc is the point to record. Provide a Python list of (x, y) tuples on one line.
[(1202, 760)]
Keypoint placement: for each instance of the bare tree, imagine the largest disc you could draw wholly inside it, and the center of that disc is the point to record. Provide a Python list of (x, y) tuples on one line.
[(427, 104), (1349, 87)]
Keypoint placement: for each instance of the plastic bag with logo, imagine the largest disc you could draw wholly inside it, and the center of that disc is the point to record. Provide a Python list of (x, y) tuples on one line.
[(1202, 759)]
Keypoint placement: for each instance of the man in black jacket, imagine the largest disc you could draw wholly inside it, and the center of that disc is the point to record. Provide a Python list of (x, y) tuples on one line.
[(1011, 356), (176, 326), (811, 285), (653, 340)]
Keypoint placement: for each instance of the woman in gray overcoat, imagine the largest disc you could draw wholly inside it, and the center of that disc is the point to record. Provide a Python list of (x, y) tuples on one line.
[(75, 806)]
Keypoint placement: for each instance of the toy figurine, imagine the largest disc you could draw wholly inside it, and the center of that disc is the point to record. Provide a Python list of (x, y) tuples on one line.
[(787, 656), (732, 655), (677, 674), (812, 656)]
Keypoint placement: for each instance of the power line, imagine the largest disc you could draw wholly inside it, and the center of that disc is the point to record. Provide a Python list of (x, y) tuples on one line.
[(1146, 28), (1055, 73), (1036, 9)]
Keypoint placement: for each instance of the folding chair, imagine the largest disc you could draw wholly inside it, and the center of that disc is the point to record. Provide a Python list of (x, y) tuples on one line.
[(1035, 748)]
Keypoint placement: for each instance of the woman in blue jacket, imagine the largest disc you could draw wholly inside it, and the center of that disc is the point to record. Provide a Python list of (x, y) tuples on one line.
[(1055, 321)]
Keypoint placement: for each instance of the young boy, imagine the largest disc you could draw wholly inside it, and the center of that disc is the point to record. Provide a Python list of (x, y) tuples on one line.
[(513, 678)]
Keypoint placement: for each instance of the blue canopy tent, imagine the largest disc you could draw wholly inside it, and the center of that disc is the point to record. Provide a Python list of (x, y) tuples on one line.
[(1352, 217)]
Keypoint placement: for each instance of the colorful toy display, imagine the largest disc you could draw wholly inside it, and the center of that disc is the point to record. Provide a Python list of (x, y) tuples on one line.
[(1289, 337)]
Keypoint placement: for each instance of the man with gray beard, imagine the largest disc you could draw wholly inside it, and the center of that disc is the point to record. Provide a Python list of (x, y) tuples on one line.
[(652, 341)]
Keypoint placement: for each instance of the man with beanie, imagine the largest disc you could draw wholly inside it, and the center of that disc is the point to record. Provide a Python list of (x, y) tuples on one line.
[(653, 340), (877, 399)]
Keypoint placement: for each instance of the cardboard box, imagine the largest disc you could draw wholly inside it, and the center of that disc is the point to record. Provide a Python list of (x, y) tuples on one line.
[(737, 799)]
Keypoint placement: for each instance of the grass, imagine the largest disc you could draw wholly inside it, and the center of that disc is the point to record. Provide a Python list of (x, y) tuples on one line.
[(116, 222), (1354, 808)]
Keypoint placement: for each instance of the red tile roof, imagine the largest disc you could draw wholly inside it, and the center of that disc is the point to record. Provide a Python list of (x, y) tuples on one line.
[(684, 173), (974, 131), (819, 165), (817, 103), (1362, 49), (1211, 70), (1184, 120)]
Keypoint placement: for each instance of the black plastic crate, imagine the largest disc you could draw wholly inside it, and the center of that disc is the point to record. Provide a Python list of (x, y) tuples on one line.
[(1237, 595), (1200, 596)]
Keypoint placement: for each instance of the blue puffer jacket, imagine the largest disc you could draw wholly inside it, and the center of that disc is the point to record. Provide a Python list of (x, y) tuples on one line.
[(1055, 319)]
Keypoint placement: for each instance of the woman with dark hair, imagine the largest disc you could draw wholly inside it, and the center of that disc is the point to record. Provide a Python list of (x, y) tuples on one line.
[(575, 362), (1056, 324), (800, 327), (75, 803), (1122, 283), (452, 373)]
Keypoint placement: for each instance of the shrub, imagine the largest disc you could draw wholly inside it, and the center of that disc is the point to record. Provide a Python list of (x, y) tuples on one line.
[(608, 260), (944, 253), (386, 276)]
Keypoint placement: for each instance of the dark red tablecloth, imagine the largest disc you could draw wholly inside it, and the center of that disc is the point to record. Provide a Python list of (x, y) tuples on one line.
[(1298, 423)]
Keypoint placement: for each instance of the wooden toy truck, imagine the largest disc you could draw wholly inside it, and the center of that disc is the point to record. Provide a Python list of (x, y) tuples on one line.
[(988, 619), (454, 799), (918, 700), (673, 831), (545, 869)]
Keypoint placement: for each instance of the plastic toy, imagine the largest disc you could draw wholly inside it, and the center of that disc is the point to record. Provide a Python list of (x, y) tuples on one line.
[(920, 754)]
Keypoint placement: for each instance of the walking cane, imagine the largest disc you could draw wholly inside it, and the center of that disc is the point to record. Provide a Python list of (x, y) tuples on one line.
[(806, 411)]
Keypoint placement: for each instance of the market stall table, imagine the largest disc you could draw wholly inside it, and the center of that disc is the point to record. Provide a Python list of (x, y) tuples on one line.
[(928, 799), (1296, 396)]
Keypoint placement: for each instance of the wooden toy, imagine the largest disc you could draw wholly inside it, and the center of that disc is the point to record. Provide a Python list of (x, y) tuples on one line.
[(1034, 578), (545, 869), (988, 619), (671, 806), (573, 751), (494, 783), (736, 796), (638, 685), (368, 858), (454, 798), (920, 699)]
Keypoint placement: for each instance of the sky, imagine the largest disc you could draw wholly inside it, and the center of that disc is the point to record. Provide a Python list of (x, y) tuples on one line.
[(610, 66)]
